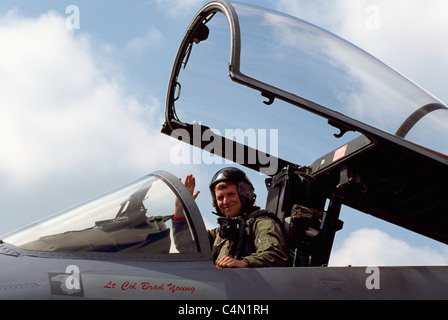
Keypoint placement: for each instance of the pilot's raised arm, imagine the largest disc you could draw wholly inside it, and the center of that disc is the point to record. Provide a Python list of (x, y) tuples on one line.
[(181, 233)]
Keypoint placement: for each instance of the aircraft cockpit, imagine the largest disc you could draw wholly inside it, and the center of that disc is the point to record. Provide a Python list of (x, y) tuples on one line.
[(313, 112)]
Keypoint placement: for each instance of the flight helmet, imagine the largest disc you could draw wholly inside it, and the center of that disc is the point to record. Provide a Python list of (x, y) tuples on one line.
[(244, 187)]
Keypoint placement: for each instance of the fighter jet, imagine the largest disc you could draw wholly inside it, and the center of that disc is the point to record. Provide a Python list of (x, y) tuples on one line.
[(344, 129)]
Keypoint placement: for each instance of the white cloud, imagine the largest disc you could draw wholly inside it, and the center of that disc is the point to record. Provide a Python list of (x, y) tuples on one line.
[(59, 111), (374, 247), (139, 44), (179, 7)]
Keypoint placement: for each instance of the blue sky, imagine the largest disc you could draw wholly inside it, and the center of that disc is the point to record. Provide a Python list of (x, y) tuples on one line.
[(82, 108)]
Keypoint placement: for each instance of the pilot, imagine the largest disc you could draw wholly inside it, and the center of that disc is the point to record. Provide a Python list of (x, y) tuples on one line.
[(247, 236)]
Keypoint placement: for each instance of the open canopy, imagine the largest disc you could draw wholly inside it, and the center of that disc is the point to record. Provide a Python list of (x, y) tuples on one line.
[(365, 131), (288, 59)]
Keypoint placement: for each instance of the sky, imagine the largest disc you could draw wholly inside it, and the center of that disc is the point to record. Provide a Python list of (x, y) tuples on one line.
[(82, 99)]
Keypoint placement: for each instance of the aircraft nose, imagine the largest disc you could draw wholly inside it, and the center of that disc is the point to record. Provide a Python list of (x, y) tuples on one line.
[(21, 279)]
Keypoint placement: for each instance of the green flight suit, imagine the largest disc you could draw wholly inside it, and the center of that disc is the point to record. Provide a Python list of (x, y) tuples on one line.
[(266, 247)]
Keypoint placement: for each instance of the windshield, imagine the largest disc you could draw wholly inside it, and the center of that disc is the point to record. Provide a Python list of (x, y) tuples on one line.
[(295, 64), (134, 219)]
